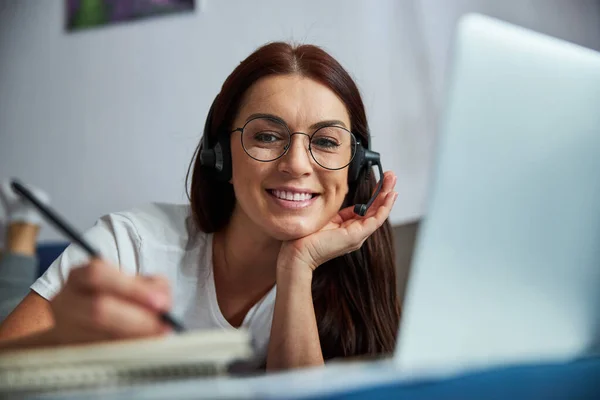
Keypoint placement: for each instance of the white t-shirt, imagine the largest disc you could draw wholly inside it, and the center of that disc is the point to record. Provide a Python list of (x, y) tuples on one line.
[(161, 239)]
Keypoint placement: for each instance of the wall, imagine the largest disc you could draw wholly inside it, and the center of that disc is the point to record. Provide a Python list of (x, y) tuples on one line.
[(108, 118), (577, 21)]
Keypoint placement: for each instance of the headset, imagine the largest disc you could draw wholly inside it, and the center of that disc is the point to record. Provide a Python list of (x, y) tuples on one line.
[(217, 157)]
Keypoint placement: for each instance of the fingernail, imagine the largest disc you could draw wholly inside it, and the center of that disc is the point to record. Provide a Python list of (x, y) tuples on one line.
[(395, 196), (159, 301)]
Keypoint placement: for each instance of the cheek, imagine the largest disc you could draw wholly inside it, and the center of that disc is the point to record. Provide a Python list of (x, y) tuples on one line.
[(247, 175), (338, 189), (239, 164), (242, 165)]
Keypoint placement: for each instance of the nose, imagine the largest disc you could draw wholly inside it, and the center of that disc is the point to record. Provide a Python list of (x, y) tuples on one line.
[(297, 160)]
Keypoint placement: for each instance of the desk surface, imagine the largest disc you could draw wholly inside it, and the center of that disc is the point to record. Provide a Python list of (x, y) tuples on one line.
[(378, 380)]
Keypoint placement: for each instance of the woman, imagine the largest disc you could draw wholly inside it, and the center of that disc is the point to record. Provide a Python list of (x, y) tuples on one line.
[(269, 243)]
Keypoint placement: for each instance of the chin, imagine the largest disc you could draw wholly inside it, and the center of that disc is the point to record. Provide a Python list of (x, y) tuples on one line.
[(286, 230)]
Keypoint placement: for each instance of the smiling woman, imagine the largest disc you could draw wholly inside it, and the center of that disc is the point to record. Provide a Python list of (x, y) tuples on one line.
[(269, 241), (304, 90)]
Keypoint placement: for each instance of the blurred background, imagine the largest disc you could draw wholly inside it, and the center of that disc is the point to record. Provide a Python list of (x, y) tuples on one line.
[(102, 102)]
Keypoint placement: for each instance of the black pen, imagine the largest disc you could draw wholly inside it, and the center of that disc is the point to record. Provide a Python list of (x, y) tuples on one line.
[(74, 236)]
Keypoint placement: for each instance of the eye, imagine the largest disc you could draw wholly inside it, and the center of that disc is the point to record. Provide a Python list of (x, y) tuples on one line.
[(267, 137), (325, 142)]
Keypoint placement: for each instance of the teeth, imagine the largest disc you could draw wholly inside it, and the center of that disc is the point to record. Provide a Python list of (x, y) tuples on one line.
[(291, 196)]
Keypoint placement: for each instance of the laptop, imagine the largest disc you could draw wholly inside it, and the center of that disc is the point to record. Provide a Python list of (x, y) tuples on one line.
[(506, 267)]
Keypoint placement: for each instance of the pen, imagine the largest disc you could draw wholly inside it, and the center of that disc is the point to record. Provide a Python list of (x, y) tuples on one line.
[(74, 236)]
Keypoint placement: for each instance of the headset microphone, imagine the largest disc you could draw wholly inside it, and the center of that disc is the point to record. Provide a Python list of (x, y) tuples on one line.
[(370, 158)]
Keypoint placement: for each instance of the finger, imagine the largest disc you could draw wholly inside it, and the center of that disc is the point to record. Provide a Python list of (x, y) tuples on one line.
[(362, 229), (389, 182), (70, 320), (354, 231), (118, 318), (90, 317), (331, 225), (344, 214), (101, 277), (348, 213), (160, 284), (159, 280), (382, 213)]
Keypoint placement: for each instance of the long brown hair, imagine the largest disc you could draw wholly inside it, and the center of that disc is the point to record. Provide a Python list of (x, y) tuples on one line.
[(355, 298)]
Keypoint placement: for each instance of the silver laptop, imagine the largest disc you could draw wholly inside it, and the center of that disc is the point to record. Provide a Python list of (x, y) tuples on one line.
[(507, 264)]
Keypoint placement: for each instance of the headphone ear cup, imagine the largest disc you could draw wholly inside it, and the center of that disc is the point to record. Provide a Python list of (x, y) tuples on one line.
[(222, 164), (217, 158), (207, 155), (357, 163)]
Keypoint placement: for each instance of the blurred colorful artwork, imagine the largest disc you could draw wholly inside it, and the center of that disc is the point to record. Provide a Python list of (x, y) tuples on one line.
[(82, 14)]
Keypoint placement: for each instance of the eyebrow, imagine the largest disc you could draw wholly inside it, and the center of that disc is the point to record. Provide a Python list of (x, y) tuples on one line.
[(316, 125)]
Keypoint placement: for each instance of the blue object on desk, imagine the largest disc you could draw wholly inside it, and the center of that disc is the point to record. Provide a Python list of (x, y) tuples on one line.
[(576, 380), (47, 253)]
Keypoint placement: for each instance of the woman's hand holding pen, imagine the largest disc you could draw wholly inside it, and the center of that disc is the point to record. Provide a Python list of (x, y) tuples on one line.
[(98, 302)]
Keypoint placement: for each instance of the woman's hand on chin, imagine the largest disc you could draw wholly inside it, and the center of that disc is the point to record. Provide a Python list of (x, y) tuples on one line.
[(344, 233)]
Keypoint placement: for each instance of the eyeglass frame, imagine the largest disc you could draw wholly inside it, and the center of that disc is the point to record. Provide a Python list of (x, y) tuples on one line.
[(287, 147)]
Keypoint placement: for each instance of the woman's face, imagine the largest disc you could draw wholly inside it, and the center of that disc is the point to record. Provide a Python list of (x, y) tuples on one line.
[(292, 196)]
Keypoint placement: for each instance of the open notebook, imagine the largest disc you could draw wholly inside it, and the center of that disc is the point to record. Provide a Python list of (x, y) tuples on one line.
[(193, 354)]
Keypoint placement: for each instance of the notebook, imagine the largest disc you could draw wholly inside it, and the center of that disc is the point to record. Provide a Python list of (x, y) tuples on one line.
[(186, 355)]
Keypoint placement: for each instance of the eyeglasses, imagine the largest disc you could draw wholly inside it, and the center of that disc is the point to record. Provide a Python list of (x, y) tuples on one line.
[(266, 139)]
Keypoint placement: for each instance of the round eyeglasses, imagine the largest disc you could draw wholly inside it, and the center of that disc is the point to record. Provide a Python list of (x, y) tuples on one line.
[(266, 139)]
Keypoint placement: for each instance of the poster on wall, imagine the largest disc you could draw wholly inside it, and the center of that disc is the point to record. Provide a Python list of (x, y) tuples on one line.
[(84, 14)]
